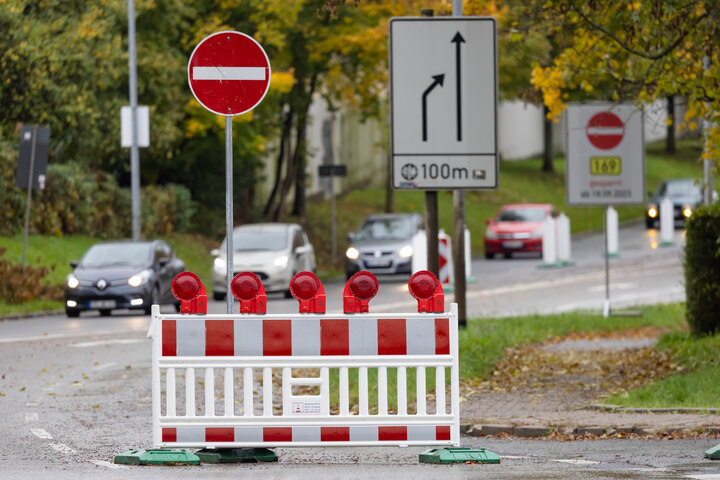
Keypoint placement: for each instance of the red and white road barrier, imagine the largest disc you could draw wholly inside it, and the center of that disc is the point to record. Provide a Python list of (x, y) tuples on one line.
[(445, 258), (244, 352)]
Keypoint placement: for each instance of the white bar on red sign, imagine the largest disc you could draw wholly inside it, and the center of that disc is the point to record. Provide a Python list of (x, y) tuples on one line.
[(229, 73)]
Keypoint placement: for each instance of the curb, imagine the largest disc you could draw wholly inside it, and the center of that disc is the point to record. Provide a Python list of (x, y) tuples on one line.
[(540, 431), (601, 407), (40, 313)]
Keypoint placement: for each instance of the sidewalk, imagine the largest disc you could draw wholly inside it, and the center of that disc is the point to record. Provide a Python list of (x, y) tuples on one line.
[(555, 390)]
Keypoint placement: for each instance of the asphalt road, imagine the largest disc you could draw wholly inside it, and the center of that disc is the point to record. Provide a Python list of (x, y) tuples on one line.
[(76, 392)]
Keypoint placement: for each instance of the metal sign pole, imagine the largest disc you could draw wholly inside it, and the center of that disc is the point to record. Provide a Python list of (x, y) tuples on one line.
[(606, 305), (29, 193), (229, 210), (134, 150), (332, 218)]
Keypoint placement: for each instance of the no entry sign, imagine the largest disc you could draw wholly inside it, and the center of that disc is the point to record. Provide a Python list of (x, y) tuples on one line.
[(229, 73), (605, 130)]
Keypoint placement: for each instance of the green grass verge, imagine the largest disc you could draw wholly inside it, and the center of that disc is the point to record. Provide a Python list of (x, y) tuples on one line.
[(697, 383), (520, 181), (55, 253)]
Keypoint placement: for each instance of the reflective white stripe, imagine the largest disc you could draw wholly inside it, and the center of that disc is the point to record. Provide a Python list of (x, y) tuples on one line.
[(248, 338), (306, 336), (605, 131), (190, 339), (362, 334), (229, 73)]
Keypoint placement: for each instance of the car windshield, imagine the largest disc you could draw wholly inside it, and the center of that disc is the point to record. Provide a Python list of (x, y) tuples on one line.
[(252, 240), (682, 188), (120, 254), (522, 215), (385, 229)]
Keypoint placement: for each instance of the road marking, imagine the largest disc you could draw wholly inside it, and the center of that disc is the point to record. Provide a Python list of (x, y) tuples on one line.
[(114, 341), (613, 286), (104, 366), (31, 416), (31, 404), (663, 296), (40, 433), (56, 336), (62, 448), (103, 463), (705, 476), (576, 461)]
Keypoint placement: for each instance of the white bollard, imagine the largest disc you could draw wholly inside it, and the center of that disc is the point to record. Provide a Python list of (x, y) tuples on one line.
[(419, 245), (468, 257), (563, 238), (549, 244), (612, 232), (667, 222)]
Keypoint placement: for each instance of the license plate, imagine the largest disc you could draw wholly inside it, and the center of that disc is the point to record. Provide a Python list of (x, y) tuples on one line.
[(377, 263), (514, 244), (102, 304)]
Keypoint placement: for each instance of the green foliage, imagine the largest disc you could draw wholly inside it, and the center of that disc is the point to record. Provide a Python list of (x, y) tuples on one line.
[(702, 271), (20, 284)]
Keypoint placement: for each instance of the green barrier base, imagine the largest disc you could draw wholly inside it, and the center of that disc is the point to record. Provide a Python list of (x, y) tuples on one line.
[(458, 455), (558, 264), (667, 244), (713, 453), (236, 455), (157, 457)]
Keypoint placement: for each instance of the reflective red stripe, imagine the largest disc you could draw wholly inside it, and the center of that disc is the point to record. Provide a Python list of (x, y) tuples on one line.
[(334, 337), (277, 434), (224, 434), (219, 338), (169, 434), (392, 338), (169, 338), (442, 433), (335, 434), (442, 336), (277, 337), (392, 434)]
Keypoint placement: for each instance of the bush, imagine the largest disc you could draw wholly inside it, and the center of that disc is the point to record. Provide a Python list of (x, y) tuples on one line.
[(702, 271), (18, 284)]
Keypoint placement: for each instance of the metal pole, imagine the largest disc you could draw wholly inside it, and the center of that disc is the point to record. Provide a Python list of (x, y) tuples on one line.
[(29, 193), (229, 210), (606, 305), (333, 219), (459, 230), (707, 162), (134, 151)]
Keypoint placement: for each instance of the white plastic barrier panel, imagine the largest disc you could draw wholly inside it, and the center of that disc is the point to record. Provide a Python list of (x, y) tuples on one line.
[(255, 380), (445, 258), (612, 232), (667, 221), (549, 245), (563, 238)]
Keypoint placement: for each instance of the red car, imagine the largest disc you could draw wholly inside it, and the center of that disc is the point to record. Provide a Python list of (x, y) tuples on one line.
[(517, 228)]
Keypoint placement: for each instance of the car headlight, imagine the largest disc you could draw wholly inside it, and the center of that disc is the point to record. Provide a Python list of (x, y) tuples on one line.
[(352, 253), (139, 279), (687, 211), (537, 233), (652, 211), (405, 251), (491, 234), (281, 261), (72, 281), (219, 263)]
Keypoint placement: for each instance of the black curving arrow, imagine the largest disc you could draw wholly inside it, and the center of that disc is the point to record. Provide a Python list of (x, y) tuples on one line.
[(438, 80), (457, 40)]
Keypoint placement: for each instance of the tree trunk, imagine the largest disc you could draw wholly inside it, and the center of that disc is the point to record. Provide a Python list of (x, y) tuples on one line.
[(547, 164), (670, 139), (284, 148), (300, 204)]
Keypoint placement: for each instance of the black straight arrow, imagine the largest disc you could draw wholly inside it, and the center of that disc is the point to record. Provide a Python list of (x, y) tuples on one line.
[(437, 80), (457, 40)]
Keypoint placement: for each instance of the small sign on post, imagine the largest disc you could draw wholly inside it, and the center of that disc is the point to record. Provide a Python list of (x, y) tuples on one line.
[(332, 171)]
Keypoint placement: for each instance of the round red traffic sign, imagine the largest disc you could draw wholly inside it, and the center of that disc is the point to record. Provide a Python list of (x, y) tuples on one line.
[(229, 73), (605, 130)]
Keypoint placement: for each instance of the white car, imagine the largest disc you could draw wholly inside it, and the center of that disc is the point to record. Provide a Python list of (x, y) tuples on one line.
[(274, 252)]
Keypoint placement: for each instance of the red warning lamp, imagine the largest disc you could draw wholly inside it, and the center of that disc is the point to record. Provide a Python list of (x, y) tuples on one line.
[(358, 291), (188, 288), (307, 289), (426, 289), (250, 292)]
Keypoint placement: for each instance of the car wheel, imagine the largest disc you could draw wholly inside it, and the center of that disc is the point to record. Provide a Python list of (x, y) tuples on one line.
[(507, 255), (489, 256), (649, 224), (105, 312), (177, 307), (72, 312), (288, 293), (218, 296)]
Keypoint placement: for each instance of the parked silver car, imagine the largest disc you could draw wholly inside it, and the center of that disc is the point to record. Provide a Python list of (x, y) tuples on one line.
[(274, 252), (383, 244)]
